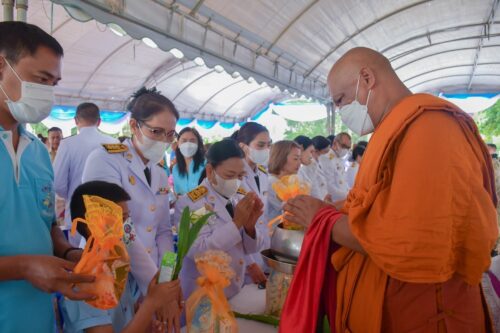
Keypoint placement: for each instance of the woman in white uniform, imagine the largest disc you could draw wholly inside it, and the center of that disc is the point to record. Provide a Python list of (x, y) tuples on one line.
[(284, 161), (134, 166), (255, 141), (353, 168), (232, 228), (309, 170)]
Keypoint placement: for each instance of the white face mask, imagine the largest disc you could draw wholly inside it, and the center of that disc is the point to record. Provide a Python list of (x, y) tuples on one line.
[(356, 117), (343, 152), (226, 187), (35, 103), (259, 156), (188, 149), (151, 149)]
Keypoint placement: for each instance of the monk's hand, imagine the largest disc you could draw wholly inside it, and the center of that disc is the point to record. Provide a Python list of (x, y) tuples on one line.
[(302, 209), (51, 274)]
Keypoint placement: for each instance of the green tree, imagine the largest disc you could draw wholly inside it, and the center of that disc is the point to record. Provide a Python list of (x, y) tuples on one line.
[(489, 121), (307, 128), (40, 128)]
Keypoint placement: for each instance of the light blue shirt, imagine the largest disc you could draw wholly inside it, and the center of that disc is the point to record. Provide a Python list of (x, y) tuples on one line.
[(186, 183), (79, 316), (26, 215)]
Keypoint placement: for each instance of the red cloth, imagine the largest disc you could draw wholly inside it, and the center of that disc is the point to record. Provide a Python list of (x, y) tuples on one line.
[(313, 291)]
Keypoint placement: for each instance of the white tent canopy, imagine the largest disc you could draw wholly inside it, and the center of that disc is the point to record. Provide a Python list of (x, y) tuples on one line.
[(229, 59)]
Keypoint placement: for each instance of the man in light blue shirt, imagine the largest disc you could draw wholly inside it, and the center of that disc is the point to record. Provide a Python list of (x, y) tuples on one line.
[(30, 65)]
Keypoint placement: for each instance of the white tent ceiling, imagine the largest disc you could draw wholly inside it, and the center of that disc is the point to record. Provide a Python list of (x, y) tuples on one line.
[(267, 49)]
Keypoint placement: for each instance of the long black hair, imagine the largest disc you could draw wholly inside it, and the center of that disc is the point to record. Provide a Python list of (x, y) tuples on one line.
[(220, 152), (198, 157), (248, 132), (145, 103)]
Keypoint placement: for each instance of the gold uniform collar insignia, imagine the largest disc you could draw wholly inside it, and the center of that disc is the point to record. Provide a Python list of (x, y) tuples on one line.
[(197, 193), (242, 191), (262, 168)]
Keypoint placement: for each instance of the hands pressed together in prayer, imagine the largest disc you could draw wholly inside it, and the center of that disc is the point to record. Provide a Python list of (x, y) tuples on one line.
[(247, 212)]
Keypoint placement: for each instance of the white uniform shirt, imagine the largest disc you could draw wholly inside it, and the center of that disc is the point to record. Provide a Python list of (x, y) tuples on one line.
[(314, 176), (250, 185), (149, 205), (220, 233), (334, 169), (351, 173), (70, 161)]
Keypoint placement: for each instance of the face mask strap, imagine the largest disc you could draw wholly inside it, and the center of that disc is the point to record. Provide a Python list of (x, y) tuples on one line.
[(12, 68), (357, 88), (1, 88)]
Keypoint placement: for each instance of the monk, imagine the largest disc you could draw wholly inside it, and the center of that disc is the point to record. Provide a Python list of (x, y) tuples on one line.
[(420, 222)]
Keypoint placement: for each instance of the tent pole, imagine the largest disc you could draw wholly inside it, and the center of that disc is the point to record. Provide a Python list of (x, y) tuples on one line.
[(21, 10), (8, 10)]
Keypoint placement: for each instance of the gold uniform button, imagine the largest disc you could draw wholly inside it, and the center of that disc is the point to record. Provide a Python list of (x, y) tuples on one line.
[(148, 250), (149, 229), (241, 262), (260, 222), (152, 208)]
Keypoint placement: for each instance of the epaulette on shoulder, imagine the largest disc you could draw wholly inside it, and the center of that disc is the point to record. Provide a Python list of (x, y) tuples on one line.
[(197, 193), (162, 164), (115, 148), (262, 168), (242, 191)]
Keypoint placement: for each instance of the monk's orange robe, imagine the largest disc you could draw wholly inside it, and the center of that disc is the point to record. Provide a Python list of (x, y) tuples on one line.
[(423, 209)]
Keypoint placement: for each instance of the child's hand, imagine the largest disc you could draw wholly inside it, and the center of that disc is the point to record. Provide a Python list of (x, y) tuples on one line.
[(166, 298)]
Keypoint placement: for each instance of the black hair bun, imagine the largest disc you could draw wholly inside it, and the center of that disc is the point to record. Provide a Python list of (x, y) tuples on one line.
[(142, 91)]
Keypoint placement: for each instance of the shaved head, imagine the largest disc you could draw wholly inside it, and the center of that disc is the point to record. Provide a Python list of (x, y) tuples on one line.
[(355, 59), (361, 71)]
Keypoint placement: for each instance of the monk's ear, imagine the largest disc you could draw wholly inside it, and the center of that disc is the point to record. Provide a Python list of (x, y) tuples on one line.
[(367, 75)]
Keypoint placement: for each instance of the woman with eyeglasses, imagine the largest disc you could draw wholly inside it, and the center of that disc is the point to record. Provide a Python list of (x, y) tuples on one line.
[(190, 161), (134, 165)]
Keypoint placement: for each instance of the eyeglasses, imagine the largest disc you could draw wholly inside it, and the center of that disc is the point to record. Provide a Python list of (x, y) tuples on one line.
[(160, 133)]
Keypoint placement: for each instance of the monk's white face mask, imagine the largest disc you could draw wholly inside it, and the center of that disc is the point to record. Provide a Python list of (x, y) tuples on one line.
[(355, 115)]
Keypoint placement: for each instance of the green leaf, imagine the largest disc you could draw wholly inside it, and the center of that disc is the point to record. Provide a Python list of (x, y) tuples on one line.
[(196, 228), (270, 320), (182, 243)]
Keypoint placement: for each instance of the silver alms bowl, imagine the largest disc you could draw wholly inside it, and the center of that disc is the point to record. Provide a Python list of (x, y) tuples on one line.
[(286, 244), (275, 264)]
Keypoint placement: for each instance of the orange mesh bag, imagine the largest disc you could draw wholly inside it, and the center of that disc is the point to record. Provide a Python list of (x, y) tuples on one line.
[(288, 187), (207, 309), (105, 255)]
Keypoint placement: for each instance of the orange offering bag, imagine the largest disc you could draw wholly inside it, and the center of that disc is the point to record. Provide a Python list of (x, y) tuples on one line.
[(207, 309), (105, 255), (288, 187)]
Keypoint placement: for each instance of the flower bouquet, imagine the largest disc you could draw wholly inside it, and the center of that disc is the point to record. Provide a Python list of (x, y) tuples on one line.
[(286, 188)]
